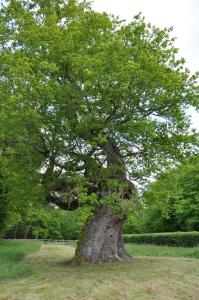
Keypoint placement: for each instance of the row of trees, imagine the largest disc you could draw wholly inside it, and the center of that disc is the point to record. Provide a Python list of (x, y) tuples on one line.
[(48, 223), (171, 203)]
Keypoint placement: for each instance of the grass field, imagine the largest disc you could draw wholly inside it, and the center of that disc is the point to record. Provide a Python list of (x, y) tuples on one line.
[(11, 255), (153, 250), (144, 277)]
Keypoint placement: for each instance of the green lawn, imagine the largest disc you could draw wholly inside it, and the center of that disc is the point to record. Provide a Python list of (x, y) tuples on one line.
[(145, 277), (153, 250), (11, 256)]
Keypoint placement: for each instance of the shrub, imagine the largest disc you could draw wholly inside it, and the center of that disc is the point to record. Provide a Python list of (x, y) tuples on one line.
[(183, 239)]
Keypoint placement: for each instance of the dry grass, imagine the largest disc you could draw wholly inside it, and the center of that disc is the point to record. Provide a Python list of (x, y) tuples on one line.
[(143, 278)]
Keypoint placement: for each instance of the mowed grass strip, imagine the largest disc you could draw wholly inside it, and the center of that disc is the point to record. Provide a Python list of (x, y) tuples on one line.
[(11, 256), (158, 278), (154, 250)]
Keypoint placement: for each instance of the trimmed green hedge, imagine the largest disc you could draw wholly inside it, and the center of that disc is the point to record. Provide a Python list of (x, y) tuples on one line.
[(183, 239)]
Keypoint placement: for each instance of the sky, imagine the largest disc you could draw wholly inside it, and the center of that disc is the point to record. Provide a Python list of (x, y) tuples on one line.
[(183, 15)]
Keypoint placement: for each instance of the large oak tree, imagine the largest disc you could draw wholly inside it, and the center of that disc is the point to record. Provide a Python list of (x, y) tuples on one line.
[(90, 103)]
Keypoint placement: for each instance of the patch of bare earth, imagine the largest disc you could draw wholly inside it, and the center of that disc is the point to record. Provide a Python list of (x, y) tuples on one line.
[(160, 278)]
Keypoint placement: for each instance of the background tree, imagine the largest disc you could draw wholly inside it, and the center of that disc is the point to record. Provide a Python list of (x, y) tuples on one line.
[(48, 222), (94, 103), (160, 199), (20, 192), (172, 202)]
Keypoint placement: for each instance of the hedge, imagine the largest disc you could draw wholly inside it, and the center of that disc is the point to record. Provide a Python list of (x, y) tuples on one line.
[(183, 239)]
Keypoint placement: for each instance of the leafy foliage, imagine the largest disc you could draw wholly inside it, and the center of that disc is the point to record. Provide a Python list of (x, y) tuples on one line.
[(49, 223), (87, 103), (172, 202)]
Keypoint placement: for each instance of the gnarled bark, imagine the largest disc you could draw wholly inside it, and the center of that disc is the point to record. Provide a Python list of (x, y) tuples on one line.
[(101, 239)]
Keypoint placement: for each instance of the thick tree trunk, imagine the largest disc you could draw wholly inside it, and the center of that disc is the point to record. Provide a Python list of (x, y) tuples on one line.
[(101, 239)]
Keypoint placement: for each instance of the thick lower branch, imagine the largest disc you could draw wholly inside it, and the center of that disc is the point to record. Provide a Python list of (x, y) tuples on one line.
[(66, 205)]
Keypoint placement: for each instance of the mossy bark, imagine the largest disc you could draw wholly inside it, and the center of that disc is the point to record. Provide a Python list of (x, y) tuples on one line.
[(101, 240)]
